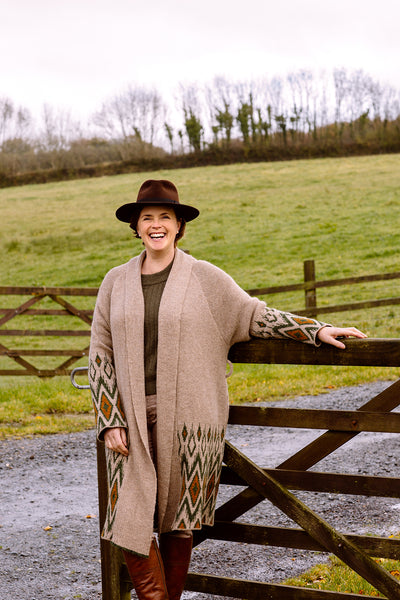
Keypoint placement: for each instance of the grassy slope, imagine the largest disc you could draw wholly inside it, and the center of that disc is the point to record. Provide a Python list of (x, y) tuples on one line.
[(258, 222)]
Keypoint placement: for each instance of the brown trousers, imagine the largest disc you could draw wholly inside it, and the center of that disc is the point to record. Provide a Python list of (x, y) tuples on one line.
[(151, 413)]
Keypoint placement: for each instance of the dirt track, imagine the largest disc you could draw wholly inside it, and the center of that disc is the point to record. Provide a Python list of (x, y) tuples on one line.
[(49, 517)]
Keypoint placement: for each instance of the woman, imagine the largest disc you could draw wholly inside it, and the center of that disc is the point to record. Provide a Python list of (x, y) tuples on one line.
[(162, 329)]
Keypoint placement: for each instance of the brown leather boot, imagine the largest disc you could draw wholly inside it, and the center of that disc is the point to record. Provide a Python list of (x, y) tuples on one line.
[(147, 574), (176, 551)]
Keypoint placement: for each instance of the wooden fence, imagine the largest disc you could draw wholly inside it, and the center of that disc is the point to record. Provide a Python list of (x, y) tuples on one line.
[(311, 285), (276, 485), (64, 307)]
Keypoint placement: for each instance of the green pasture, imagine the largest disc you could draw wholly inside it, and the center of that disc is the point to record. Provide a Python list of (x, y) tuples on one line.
[(259, 222), (336, 576)]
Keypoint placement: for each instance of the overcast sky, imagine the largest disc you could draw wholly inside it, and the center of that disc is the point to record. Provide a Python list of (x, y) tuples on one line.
[(74, 54)]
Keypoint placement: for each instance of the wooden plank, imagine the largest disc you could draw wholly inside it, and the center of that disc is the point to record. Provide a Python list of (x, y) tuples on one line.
[(334, 420), (28, 367), (14, 290), (319, 530), (16, 372), (111, 556), (331, 483), (289, 537), (35, 371), (308, 456), (277, 289), (20, 352), (44, 332), (357, 279), (311, 454), (359, 352), (38, 312), (324, 310), (71, 309), (14, 312), (255, 590), (70, 361)]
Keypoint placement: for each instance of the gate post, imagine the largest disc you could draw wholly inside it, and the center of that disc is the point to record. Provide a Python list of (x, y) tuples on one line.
[(114, 587), (310, 291)]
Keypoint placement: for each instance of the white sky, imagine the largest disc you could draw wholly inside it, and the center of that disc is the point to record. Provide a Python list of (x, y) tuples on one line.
[(74, 54)]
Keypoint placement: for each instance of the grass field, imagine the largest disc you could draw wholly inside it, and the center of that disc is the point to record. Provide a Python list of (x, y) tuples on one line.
[(259, 222), (336, 576)]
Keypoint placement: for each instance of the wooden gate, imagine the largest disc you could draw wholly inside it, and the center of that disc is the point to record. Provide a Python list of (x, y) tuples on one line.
[(275, 484), (60, 307)]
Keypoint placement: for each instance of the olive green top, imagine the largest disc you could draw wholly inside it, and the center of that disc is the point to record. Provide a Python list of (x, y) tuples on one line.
[(153, 287)]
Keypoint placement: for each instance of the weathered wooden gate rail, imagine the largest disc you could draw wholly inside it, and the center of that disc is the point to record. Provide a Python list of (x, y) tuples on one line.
[(311, 285), (66, 308), (274, 484)]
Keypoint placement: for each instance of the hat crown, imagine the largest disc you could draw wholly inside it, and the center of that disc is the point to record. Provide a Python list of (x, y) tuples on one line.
[(158, 190)]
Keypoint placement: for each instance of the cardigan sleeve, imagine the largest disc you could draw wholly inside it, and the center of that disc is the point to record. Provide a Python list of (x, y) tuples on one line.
[(102, 378), (272, 323), (239, 316)]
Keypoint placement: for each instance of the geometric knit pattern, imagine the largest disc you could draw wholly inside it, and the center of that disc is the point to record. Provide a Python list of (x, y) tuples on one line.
[(115, 474), (105, 396), (201, 452), (275, 323), (109, 413)]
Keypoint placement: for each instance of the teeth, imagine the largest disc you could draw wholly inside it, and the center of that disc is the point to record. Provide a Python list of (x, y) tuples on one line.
[(157, 235)]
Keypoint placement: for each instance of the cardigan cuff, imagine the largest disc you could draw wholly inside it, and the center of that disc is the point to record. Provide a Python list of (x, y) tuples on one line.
[(106, 399), (273, 323)]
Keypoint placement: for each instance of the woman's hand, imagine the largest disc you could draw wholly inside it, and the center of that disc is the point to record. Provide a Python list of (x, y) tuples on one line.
[(116, 439), (329, 335)]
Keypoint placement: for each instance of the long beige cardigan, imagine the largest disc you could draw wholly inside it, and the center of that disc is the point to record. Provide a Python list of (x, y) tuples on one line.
[(202, 313)]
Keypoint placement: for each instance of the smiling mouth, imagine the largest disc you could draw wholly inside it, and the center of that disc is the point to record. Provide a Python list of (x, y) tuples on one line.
[(157, 236)]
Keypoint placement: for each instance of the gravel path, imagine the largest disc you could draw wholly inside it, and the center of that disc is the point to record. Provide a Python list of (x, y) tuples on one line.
[(49, 518)]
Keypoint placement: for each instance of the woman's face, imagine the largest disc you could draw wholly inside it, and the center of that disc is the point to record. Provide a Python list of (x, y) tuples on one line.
[(157, 226)]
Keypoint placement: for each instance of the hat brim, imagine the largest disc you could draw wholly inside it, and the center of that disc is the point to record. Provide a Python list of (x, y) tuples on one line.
[(127, 212)]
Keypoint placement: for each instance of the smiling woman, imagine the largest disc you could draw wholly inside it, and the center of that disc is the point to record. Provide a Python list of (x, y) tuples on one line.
[(162, 329), (159, 219), (158, 227)]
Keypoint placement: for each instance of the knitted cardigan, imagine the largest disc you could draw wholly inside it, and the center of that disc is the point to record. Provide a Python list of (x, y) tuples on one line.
[(203, 312)]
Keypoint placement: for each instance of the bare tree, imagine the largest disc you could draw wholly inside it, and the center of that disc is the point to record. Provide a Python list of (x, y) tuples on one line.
[(275, 96), (57, 131), (54, 129), (23, 123), (6, 116), (390, 104), (359, 97), (15, 122), (341, 91), (136, 113), (307, 101), (221, 102)]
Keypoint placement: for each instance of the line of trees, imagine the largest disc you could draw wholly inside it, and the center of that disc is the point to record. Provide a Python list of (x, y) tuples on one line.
[(301, 114)]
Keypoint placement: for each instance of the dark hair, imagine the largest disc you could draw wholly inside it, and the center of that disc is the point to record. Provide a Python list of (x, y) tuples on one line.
[(133, 225)]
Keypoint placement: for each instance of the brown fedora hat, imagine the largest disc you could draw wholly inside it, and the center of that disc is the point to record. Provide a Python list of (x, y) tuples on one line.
[(156, 191)]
